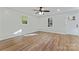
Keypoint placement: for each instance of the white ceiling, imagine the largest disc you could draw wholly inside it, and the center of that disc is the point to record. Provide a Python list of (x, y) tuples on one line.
[(53, 10)]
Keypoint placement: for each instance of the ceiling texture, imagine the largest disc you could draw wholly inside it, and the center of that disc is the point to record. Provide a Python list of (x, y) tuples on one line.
[(53, 10)]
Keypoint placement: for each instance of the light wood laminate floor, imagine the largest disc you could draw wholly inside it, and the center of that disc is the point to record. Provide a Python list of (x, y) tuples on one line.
[(43, 41)]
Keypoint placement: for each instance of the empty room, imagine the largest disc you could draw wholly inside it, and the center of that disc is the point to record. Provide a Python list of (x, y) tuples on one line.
[(39, 28)]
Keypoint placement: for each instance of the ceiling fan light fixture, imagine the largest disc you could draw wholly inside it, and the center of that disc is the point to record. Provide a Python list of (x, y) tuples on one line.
[(41, 13)]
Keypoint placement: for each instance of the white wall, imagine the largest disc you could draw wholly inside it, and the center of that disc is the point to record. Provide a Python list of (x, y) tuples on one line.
[(71, 25), (61, 24), (58, 24), (11, 22), (0, 22)]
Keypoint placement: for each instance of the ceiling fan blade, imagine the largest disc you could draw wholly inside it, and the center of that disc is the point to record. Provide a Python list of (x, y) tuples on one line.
[(36, 12), (45, 10)]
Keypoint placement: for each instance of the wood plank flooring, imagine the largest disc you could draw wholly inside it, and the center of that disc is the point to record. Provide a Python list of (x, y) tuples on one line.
[(43, 41)]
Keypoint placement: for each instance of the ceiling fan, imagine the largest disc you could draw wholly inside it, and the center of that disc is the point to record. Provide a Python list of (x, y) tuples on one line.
[(41, 11)]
